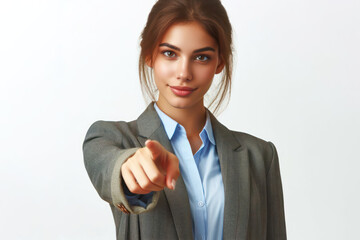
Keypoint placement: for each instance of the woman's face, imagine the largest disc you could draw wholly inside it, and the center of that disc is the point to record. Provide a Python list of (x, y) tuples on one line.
[(184, 66)]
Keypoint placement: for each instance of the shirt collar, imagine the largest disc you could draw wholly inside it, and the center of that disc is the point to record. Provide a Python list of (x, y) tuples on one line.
[(208, 128), (170, 125)]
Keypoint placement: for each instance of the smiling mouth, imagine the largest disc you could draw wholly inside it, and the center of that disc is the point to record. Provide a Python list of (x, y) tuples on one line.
[(182, 91)]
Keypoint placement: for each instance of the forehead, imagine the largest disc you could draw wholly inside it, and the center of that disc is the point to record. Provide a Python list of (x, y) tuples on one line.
[(188, 36)]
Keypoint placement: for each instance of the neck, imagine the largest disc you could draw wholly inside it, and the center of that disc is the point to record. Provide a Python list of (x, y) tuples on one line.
[(192, 119)]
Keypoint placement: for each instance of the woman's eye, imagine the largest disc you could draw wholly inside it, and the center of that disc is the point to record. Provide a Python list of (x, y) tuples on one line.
[(202, 58), (169, 54)]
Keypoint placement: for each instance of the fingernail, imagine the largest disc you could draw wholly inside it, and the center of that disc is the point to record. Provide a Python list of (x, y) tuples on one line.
[(173, 183), (147, 141)]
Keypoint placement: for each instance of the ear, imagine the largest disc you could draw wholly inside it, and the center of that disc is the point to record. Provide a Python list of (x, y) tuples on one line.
[(149, 62), (220, 67)]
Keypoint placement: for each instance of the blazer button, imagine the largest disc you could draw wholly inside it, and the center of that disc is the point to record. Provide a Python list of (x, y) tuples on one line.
[(122, 208)]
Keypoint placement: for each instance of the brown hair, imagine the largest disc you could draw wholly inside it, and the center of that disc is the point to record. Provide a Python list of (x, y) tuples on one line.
[(211, 15)]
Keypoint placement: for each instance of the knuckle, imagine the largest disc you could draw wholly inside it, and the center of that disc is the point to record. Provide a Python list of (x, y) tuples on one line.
[(143, 155), (131, 160), (155, 178), (145, 185), (138, 154), (124, 168), (128, 165), (133, 188)]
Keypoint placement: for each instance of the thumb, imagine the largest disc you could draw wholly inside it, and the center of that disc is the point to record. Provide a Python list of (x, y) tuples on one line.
[(172, 171)]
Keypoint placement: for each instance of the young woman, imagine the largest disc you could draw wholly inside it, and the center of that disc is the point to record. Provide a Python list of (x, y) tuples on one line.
[(176, 172)]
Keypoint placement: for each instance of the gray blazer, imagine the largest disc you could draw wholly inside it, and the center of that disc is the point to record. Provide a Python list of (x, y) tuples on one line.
[(254, 207)]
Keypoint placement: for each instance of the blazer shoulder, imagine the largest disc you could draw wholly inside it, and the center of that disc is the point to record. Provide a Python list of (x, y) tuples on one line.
[(113, 126), (114, 130), (249, 140), (257, 147)]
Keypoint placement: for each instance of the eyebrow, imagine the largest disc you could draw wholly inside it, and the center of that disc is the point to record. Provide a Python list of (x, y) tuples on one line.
[(178, 49)]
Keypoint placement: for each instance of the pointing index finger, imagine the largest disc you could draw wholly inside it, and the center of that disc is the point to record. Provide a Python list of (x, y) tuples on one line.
[(155, 148)]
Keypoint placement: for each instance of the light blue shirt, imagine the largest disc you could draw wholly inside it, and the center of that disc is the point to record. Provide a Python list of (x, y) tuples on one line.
[(202, 176)]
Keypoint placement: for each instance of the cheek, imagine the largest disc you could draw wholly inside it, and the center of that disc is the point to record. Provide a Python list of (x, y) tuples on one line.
[(163, 70), (205, 74)]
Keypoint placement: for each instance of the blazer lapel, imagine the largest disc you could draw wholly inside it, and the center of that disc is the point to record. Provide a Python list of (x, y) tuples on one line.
[(234, 163), (150, 127)]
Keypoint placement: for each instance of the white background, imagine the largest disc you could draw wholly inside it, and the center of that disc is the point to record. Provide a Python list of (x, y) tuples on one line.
[(65, 64)]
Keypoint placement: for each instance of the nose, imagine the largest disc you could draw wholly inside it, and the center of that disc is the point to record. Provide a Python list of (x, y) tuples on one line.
[(184, 70)]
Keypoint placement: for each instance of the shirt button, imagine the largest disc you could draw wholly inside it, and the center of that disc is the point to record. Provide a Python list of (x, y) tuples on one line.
[(200, 203)]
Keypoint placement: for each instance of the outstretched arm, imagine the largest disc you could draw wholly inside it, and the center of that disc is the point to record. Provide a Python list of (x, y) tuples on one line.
[(105, 159)]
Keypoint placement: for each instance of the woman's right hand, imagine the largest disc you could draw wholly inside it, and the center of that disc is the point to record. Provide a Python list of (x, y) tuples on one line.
[(151, 168)]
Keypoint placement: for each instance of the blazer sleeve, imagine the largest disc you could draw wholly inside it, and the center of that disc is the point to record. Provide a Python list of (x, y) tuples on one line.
[(276, 229), (104, 153)]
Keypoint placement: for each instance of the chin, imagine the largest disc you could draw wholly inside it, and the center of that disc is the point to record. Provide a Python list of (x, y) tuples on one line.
[(181, 103)]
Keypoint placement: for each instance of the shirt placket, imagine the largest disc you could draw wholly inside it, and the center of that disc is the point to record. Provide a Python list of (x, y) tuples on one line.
[(193, 185)]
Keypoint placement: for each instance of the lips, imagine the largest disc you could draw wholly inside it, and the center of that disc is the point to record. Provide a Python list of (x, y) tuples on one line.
[(182, 91)]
